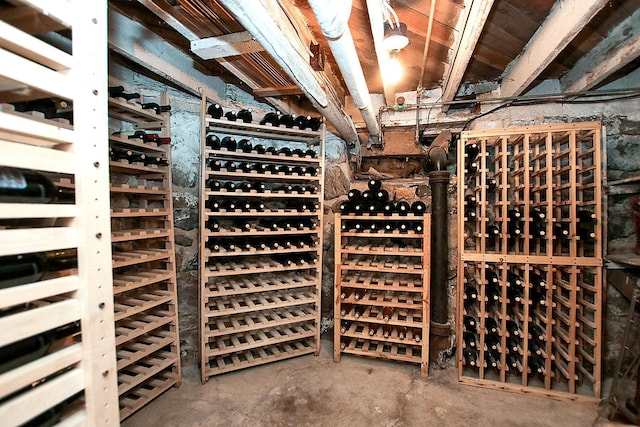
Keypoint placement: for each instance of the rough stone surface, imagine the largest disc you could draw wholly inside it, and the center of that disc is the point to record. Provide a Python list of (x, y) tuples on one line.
[(335, 183), (185, 218)]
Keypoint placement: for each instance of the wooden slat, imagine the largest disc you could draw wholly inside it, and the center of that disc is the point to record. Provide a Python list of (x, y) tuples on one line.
[(46, 395), (138, 397), (45, 132), (38, 320), (34, 210), (18, 241), (32, 48), (32, 372), (39, 290)]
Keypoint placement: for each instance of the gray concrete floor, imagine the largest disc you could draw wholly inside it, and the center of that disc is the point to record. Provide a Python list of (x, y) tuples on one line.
[(315, 391)]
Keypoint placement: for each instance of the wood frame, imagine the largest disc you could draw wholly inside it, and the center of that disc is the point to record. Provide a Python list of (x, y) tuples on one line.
[(144, 267), (557, 170), (86, 363), (360, 338), (253, 308)]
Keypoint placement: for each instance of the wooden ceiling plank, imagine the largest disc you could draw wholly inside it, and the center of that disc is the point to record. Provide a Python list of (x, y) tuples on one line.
[(278, 91), (224, 46), (565, 20), (621, 46), (169, 19), (472, 25)]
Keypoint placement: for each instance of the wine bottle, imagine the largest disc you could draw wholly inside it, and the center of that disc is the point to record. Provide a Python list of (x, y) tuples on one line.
[(259, 148), (230, 166), (230, 186), (514, 294), (515, 280), (301, 122), (470, 293), (345, 309), (561, 231), (402, 332), (246, 167), (492, 341), (403, 227), (297, 152), (387, 313), (492, 357), (354, 195), (586, 216), (470, 340), (285, 151), (403, 208), (245, 186), (535, 347), (359, 294), (242, 224), (493, 230), (389, 226), (231, 116), (314, 123), (417, 227), (472, 168), (344, 326), (119, 92), (471, 201), (491, 325), (381, 196), (388, 208), (245, 145), (492, 184), (514, 229), (287, 120), (418, 207), (215, 111), (513, 361), (358, 311), (492, 277), (272, 118), (25, 186), (16, 270), (513, 328), (470, 356), (214, 164), (374, 185), (536, 364), (213, 184), (310, 152), (470, 323), (514, 215), (492, 293), (212, 141), (537, 332), (513, 344), (229, 143), (245, 115), (212, 204), (159, 109), (470, 214), (212, 224), (471, 151), (229, 205)]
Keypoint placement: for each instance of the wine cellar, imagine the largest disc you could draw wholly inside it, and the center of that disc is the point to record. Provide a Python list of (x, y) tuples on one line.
[(530, 270), (319, 213), (261, 223), (143, 251)]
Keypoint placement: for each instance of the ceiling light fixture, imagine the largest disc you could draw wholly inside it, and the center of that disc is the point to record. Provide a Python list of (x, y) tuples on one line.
[(395, 32)]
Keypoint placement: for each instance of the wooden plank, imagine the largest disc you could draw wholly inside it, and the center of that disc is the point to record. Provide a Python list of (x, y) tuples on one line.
[(34, 210), (39, 131), (277, 91), (46, 395), (39, 290), (25, 375), (226, 45), (397, 142), (32, 48), (17, 241), (562, 24)]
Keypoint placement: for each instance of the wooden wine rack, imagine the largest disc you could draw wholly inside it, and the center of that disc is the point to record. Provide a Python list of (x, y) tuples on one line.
[(557, 308), (391, 270), (255, 307), (144, 270), (71, 381)]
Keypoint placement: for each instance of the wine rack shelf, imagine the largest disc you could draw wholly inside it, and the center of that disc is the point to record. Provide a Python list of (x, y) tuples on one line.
[(144, 276), (530, 261), (57, 345), (260, 248), (381, 287)]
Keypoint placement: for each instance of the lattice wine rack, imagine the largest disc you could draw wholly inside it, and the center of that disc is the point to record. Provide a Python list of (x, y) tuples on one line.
[(530, 260)]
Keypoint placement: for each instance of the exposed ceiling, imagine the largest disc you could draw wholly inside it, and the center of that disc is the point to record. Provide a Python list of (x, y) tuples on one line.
[(474, 46)]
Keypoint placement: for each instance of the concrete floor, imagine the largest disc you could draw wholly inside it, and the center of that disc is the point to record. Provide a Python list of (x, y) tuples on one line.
[(315, 391)]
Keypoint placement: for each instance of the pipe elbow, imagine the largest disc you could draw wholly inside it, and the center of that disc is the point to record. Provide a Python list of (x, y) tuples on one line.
[(437, 159)]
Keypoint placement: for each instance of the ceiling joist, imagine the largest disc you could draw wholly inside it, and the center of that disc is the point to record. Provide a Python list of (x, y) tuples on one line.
[(473, 24), (224, 46), (566, 19), (620, 47)]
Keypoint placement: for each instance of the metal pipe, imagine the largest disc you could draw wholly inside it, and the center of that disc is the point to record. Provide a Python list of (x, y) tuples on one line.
[(333, 17), (256, 17), (438, 181)]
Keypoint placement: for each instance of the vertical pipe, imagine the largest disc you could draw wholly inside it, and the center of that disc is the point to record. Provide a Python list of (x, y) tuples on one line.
[(439, 181)]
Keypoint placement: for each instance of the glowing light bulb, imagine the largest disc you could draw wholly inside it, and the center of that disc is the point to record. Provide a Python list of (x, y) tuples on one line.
[(393, 70)]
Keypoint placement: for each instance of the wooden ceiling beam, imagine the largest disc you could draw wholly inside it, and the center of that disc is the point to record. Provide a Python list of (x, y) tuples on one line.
[(278, 91), (224, 46), (472, 25), (566, 19), (621, 46)]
